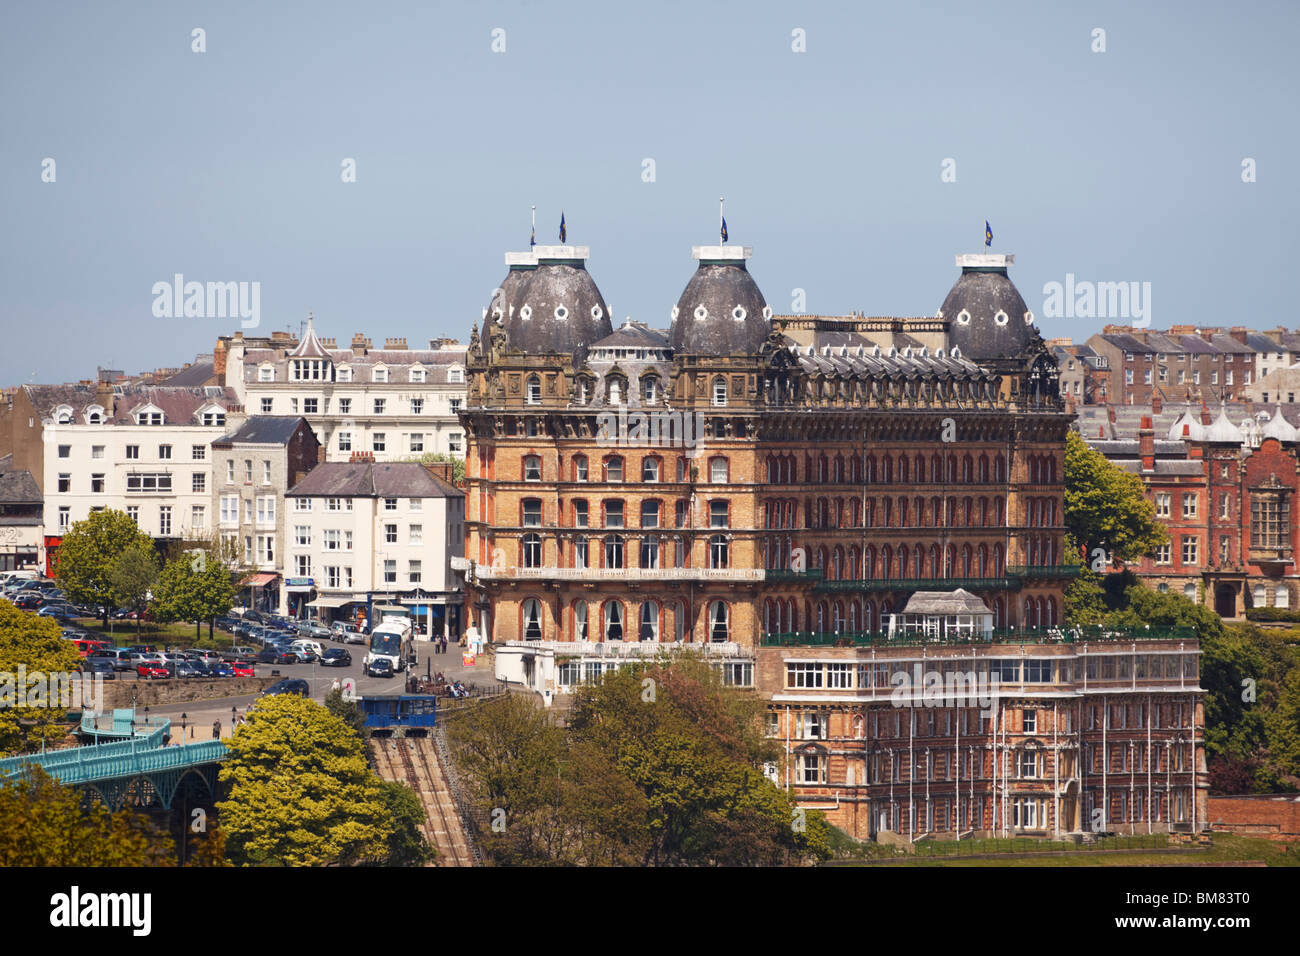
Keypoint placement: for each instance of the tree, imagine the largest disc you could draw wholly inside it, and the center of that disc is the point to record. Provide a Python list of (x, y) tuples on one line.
[(431, 458), (89, 552), (193, 587), (37, 646), (1106, 508), (301, 790), (133, 575), (407, 845), (42, 823), (348, 712)]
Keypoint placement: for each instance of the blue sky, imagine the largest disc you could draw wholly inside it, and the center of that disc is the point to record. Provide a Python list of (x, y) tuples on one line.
[(225, 165)]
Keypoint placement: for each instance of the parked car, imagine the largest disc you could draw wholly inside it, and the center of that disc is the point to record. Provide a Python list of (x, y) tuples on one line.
[(60, 612), (380, 667), (28, 601), (242, 669), (350, 635), (275, 655), (119, 657), (239, 652), (336, 657), (99, 667), (313, 629), (138, 659), (190, 669), (152, 670), (142, 649), (307, 650), (290, 685)]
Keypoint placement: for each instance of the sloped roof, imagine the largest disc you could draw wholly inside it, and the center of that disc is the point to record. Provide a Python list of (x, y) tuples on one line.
[(195, 374), (19, 488), (959, 601), (262, 430), (367, 479)]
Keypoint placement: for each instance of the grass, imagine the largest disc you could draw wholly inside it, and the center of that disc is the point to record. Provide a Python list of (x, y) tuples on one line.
[(1227, 848), (124, 634)]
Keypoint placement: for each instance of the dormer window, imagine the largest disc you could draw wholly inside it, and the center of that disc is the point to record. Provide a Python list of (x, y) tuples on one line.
[(417, 375), (380, 374), (584, 391), (614, 390), (63, 415), (309, 370), (149, 416), (650, 391), (214, 417), (343, 375), (456, 375), (266, 373), (95, 415)]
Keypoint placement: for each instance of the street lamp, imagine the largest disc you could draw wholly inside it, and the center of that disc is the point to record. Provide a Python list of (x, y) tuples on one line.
[(234, 715), (184, 719)]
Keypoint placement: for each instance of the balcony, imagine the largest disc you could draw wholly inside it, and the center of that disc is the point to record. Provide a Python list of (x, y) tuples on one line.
[(1044, 572), (486, 572), (915, 584), (1050, 635), (794, 577)]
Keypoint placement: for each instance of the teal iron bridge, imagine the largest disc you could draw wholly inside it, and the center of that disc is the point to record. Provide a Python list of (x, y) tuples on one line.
[(136, 770)]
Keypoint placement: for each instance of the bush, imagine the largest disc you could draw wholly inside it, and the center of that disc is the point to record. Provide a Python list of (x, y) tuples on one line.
[(1272, 614)]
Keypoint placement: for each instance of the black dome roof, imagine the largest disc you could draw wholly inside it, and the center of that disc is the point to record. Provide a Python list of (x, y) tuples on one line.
[(721, 311), (987, 316), (557, 308)]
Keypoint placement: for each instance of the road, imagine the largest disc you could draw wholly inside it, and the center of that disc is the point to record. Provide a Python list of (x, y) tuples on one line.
[(198, 716)]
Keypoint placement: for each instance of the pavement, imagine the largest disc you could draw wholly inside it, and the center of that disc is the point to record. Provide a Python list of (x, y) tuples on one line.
[(196, 717)]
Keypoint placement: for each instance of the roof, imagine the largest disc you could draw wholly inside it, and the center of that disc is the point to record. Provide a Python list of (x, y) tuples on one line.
[(1226, 343), (1198, 345), (368, 479), (1127, 343), (721, 311), (195, 374), (959, 601), (310, 347), (987, 316), (179, 404), (633, 335), (19, 488), (262, 430)]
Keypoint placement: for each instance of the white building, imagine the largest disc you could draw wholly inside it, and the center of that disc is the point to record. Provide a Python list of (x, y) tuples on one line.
[(396, 403), (142, 450), (370, 533)]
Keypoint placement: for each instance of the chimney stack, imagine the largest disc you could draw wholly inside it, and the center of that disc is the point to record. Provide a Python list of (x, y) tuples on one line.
[(1147, 444), (1157, 404), (359, 345), (362, 456)]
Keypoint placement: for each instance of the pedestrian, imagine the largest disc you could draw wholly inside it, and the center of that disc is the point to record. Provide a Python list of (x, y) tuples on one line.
[(216, 730)]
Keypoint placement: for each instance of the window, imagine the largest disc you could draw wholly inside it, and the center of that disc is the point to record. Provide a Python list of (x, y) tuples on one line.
[(1189, 550), (1029, 719), (812, 768), (614, 468), (1224, 506), (533, 468), (614, 551), (390, 504), (267, 405), (719, 514), (456, 376), (613, 618), (416, 534), (293, 406), (1189, 505), (310, 406), (719, 622), (414, 571), (331, 575), (417, 441), (580, 513), (379, 404), (614, 514), (65, 517), (378, 442), (266, 510), (718, 471), (133, 512), (532, 550), (345, 406), (230, 472), (132, 451), (719, 551), (148, 482), (65, 483), (454, 405), (453, 443), (650, 469), (1270, 519), (390, 572), (1028, 764), (302, 565), (198, 482), (580, 468), (417, 375), (97, 451), (165, 520), (248, 471), (302, 535), (417, 406), (1162, 554), (266, 472), (229, 509), (650, 391), (533, 392), (649, 514), (1128, 376), (390, 534), (380, 375), (345, 441), (720, 392), (248, 549)]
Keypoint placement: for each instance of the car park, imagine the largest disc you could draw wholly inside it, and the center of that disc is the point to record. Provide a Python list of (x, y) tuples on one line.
[(336, 657), (274, 655), (242, 669), (290, 685), (314, 630), (118, 657), (152, 670), (187, 669), (350, 635), (308, 650)]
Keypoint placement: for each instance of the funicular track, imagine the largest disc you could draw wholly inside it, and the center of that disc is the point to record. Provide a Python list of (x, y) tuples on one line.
[(414, 762)]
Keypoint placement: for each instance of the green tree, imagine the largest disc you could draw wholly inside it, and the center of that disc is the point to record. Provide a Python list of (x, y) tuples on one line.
[(193, 587), (348, 712), (43, 823), (406, 845), (301, 790), (37, 645), (133, 575), (1106, 507), (430, 458), (89, 552)]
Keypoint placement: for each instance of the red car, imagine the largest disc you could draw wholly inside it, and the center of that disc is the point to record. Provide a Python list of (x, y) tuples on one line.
[(151, 671), (242, 669)]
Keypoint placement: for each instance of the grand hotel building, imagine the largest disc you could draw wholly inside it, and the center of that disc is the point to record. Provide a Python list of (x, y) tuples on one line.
[(773, 488)]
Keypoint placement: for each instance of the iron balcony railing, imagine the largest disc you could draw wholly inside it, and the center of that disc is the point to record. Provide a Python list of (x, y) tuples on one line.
[(1078, 635), (915, 584)]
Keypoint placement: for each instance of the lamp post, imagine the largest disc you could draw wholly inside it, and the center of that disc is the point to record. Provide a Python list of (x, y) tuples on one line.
[(234, 715), (184, 720)]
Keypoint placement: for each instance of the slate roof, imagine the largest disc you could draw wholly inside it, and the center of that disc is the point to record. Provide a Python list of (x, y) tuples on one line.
[(19, 488), (959, 601), (366, 479), (262, 430)]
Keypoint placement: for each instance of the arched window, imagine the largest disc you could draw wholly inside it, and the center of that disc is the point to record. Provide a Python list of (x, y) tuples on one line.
[(719, 622), (679, 621), (613, 621), (649, 621), (579, 467), (903, 559), (532, 547), (532, 468), (614, 468), (1282, 597), (532, 619), (614, 551), (718, 471), (837, 617), (719, 551), (853, 616), (1260, 595), (580, 621), (719, 392), (649, 390), (984, 468), (999, 468), (533, 393), (920, 469)]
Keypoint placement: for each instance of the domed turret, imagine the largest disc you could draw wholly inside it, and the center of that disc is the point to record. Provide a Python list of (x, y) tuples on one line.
[(721, 311), (1279, 428), (505, 298), (987, 316), (555, 306)]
